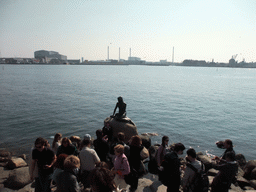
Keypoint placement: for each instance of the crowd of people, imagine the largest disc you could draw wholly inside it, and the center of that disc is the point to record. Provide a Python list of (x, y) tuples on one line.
[(106, 165)]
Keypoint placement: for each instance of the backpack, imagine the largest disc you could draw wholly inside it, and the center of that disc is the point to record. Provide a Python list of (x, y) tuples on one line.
[(200, 182)]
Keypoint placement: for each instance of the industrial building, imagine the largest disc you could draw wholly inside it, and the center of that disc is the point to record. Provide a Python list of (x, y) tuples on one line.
[(50, 57)]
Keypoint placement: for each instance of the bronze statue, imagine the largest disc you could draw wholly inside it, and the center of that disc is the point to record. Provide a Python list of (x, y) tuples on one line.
[(122, 109)]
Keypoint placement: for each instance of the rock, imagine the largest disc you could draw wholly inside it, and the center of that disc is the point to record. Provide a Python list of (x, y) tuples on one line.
[(241, 160), (4, 153), (212, 172), (15, 162), (210, 179), (23, 156), (240, 172), (250, 165), (146, 141), (242, 182), (127, 128), (4, 174), (143, 185), (4, 159), (253, 174), (253, 183), (18, 178), (235, 188), (6, 190), (158, 186), (27, 188), (207, 161)]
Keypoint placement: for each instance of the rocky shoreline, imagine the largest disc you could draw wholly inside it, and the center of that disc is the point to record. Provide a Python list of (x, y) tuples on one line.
[(14, 175)]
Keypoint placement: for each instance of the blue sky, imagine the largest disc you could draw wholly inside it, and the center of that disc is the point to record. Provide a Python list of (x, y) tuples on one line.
[(197, 29)]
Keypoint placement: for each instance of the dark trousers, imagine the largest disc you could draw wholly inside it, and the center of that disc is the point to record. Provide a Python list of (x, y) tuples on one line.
[(85, 179), (43, 183)]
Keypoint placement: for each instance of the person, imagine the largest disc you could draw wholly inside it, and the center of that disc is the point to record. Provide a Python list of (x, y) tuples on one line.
[(122, 108), (108, 131), (226, 174), (135, 162), (101, 145), (66, 181), (120, 140), (121, 167), (228, 145), (102, 180), (66, 148), (56, 142), (171, 168), (44, 158), (88, 158), (189, 173), (59, 166), (161, 151)]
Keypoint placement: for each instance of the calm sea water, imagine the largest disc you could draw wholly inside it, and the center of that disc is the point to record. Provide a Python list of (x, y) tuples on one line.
[(195, 106)]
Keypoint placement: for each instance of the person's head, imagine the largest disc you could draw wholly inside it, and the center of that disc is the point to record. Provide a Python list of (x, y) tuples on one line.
[(102, 180), (71, 162), (87, 137), (87, 143), (191, 154), (179, 148), (121, 136), (99, 133), (119, 149), (40, 144), (46, 143), (57, 138), (60, 161), (228, 144), (65, 142), (102, 164), (230, 156), (136, 140), (120, 99), (165, 140)]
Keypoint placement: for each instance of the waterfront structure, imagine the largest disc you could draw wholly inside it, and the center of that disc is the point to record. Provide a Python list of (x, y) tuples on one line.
[(50, 57)]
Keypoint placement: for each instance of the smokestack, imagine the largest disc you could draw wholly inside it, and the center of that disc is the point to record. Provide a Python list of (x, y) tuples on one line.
[(130, 52), (108, 53), (173, 55), (119, 53)]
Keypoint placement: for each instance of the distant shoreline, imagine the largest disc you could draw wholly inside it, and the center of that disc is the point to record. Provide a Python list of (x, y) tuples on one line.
[(221, 65)]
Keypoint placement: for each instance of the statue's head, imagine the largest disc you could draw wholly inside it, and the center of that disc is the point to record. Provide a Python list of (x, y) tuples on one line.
[(120, 99)]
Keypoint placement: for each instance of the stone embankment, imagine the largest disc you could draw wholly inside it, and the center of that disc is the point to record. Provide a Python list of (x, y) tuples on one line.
[(14, 175)]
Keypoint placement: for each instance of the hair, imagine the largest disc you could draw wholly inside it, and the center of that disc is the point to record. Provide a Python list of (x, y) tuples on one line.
[(102, 180), (46, 143), (164, 138), (120, 99), (121, 136), (60, 161), (229, 142), (136, 140), (102, 164), (119, 148), (99, 133), (56, 136), (231, 156), (40, 141), (191, 152), (179, 147), (65, 139), (86, 142), (71, 162)]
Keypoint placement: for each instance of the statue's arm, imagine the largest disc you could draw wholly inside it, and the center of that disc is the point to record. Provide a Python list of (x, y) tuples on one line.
[(115, 109)]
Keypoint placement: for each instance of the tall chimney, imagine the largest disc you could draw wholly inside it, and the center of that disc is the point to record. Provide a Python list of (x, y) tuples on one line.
[(130, 52), (108, 53)]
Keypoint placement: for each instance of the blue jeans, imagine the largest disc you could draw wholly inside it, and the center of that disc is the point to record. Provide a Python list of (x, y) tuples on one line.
[(43, 183)]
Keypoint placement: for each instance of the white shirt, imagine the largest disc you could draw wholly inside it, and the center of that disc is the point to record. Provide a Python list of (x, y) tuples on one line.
[(88, 159)]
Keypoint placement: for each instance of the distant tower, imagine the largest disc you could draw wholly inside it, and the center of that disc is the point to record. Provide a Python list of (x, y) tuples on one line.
[(130, 52), (119, 53), (173, 55), (108, 53), (82, 59)]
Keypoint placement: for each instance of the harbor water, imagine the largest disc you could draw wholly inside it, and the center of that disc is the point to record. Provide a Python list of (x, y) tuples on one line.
[(193, 105)]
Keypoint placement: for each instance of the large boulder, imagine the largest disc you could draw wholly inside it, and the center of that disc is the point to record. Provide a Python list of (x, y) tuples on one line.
[(241, 160), (128, 128), (250, 165), (18, 178), (15, 162)]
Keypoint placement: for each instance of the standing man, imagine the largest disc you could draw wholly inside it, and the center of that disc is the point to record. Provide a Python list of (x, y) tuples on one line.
[(45, 158), (189, 175), (171, 168), (88, 159)]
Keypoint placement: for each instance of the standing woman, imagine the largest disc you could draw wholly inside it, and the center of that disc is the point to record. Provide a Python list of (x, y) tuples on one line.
[(135, 160), (122, 108), (56, 142), (66, 147), (161, 151)]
